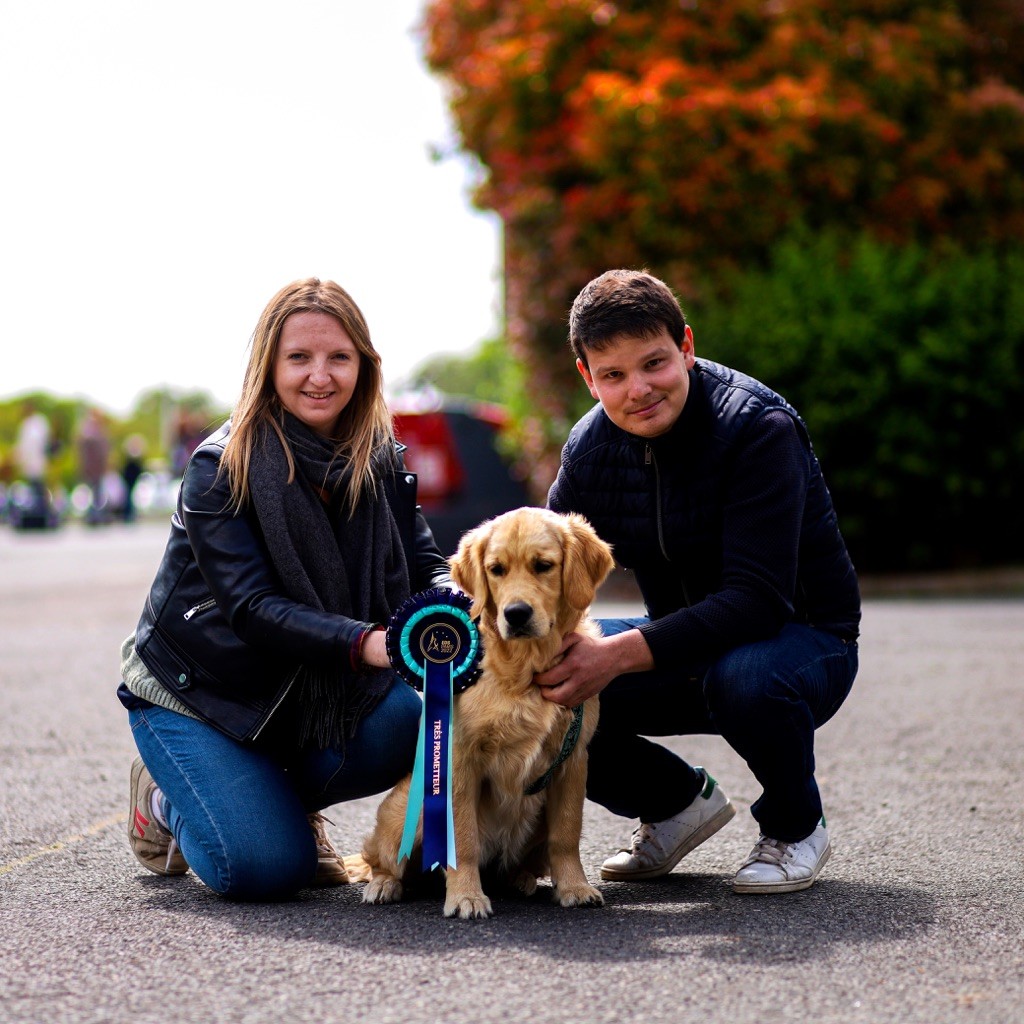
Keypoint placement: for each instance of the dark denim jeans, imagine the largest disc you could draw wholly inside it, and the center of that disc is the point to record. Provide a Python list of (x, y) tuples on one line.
[(765, 699), (239, 812)]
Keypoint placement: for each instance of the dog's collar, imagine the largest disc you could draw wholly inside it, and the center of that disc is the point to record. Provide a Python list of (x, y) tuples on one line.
[(568, 745)]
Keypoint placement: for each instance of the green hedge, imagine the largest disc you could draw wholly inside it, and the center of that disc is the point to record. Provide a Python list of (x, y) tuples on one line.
[(906, 365)]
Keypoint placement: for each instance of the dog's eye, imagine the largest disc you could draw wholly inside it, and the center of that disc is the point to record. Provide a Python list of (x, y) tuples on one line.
[(497, 569), (542, 565)]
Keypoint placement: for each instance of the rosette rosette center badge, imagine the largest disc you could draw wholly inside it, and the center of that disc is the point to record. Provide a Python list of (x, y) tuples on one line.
[(440, 643), (435, 646)]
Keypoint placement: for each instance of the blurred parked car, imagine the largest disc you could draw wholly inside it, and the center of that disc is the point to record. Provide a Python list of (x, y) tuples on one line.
[(452, 448)]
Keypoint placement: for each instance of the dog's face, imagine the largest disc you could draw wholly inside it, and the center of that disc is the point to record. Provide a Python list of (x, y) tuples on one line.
[(531, 570)]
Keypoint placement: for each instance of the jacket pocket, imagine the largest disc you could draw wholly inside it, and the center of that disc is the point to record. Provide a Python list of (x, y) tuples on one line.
[(177, 671)]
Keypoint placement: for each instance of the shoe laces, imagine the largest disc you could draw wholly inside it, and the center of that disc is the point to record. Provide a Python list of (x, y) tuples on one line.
[(172, 849), (324, 847), (770, 851), (645, 844)]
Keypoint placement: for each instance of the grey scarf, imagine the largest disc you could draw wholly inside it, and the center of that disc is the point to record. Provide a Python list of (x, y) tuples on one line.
[(349, 566)]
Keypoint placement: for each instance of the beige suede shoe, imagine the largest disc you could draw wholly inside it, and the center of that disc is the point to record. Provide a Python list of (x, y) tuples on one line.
[(153, 845), (330, 868)]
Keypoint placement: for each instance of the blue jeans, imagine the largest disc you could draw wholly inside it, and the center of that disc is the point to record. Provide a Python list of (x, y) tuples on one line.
[(765, 699), (238, 812)]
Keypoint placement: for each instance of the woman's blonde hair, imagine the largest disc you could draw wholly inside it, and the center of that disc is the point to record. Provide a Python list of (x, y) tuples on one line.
[(363, 427)]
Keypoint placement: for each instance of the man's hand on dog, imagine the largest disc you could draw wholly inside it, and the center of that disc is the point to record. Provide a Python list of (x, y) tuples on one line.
[(589, 664)]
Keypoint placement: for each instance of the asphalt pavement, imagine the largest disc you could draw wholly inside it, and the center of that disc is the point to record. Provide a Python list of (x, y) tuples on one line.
[(919, 916)]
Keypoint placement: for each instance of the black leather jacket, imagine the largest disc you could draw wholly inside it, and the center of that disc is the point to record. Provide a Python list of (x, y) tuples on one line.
[(217, 630)]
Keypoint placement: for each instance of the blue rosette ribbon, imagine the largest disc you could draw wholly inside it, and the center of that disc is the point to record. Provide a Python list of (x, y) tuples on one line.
[(434, 646)]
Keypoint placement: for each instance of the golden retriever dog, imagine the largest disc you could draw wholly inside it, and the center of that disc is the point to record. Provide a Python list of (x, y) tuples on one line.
[(532, 575)]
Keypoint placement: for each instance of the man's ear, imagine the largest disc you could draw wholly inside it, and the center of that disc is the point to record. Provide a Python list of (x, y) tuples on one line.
[(585, 374), (687, 348)]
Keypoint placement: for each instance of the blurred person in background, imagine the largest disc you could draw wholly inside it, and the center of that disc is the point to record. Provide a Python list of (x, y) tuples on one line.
[(188, 432), (93, 448), (32, 451), (132, 466)]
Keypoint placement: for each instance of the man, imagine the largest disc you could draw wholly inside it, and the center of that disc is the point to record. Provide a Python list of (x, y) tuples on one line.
[(705, 483)]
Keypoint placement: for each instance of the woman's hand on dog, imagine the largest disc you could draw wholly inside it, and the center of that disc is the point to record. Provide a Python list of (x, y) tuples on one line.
[(588, 664)]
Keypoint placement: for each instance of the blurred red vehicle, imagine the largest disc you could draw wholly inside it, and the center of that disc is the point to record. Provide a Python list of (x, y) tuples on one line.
[(452, 447)]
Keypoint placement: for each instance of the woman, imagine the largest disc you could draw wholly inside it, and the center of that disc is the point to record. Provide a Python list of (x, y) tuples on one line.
[(257, 682)]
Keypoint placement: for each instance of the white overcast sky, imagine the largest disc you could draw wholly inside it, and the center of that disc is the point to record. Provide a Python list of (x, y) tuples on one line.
[(167, 167)]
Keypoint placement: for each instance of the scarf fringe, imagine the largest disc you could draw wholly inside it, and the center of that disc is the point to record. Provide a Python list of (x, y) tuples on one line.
[(330, 713)]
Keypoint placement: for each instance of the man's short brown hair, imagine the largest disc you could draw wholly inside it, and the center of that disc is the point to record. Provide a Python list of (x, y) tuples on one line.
[(630, 303)]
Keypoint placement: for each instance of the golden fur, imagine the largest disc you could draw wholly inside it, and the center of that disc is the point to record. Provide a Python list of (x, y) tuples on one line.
[(531, 574)]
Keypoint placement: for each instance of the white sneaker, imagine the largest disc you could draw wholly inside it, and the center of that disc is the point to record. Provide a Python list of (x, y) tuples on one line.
[(777, 866), (657, 847)]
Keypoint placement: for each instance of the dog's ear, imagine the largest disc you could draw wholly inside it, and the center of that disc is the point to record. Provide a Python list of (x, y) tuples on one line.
[(586, 563), (467, 565)]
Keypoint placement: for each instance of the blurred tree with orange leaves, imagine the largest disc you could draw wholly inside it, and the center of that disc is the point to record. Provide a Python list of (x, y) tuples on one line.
[(688, 136)]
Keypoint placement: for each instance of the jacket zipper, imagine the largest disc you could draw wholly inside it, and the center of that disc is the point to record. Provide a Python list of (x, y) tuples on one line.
[(202, 607), (650, 460), (277, 703)]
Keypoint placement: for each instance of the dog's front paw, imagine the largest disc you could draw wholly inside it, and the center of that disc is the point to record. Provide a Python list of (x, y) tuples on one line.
[(382, 889), (468, 907), (357, 868), (578, 896)]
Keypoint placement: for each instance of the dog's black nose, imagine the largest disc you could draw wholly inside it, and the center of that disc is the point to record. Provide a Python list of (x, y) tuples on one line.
[(518, 615)]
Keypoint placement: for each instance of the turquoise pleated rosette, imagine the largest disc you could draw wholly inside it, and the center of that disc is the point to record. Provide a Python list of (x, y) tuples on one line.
[(434, 644)]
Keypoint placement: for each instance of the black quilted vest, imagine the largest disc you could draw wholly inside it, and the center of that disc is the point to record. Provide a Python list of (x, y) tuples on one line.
[(659, 502)]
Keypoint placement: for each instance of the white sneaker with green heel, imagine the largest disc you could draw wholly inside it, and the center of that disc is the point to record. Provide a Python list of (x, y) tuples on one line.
[(657, 847)]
